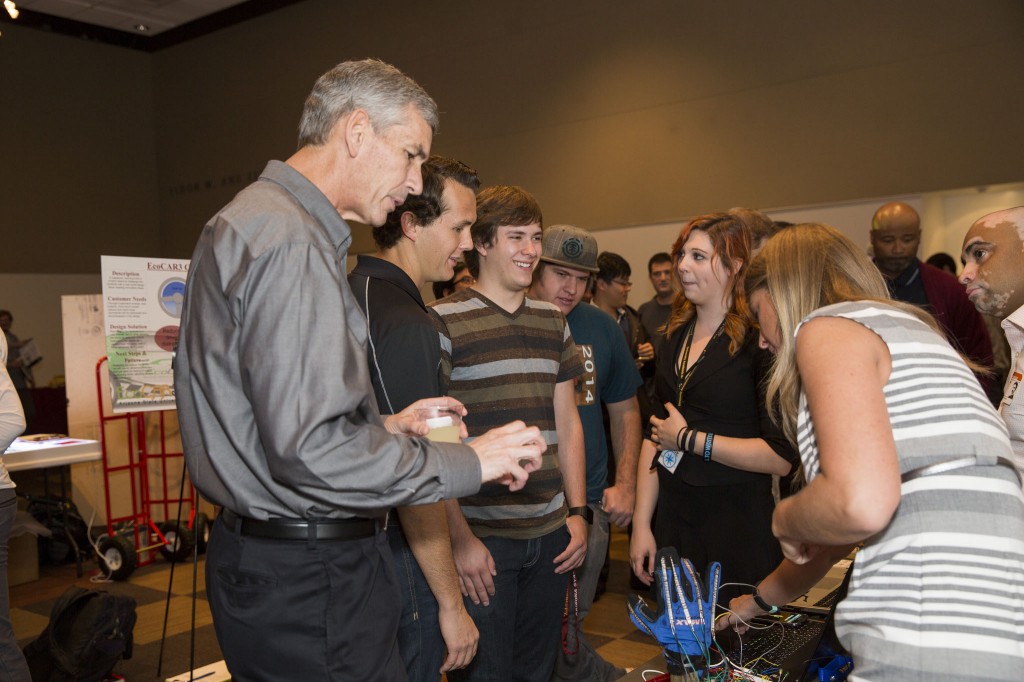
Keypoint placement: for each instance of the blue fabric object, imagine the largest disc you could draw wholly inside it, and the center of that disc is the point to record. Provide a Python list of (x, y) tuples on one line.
[(684, 619)]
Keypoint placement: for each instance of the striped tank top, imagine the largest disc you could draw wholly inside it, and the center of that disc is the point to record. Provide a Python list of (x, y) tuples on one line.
[(939, 593)]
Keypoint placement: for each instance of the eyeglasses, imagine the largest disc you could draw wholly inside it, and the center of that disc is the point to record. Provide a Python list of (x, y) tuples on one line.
[(625, 284)]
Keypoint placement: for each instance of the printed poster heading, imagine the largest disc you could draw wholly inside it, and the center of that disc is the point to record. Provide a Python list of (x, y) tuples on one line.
[(142, 299)]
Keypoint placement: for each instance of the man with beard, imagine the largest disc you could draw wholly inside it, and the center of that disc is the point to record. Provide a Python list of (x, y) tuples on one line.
[(993, 255)]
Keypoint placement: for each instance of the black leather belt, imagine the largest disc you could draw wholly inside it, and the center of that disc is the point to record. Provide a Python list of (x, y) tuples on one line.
[(300, 529)]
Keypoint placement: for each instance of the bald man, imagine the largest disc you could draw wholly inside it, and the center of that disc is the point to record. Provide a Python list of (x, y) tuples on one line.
[(994, 276), (895, 238)]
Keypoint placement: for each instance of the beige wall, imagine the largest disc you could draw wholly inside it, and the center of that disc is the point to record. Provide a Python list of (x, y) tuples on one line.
[(614, 114), (945, 219), (620, 114), (77, 154), (35, 302)]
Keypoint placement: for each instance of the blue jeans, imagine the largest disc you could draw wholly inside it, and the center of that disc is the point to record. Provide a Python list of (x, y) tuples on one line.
[(420, 643), (12, 663), (520, 631), (587, 665)]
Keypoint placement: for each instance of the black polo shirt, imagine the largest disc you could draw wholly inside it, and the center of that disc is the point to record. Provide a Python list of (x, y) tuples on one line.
[(403, 349), (909, 287)]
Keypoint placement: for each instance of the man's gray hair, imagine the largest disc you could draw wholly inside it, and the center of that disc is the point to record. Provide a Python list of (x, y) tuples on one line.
[(380, 89)]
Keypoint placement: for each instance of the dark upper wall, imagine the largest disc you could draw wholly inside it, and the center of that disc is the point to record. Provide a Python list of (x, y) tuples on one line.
[(78, 175), (613, 113)]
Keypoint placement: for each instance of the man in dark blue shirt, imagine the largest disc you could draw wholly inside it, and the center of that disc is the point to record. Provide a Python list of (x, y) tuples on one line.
[(568, 260)]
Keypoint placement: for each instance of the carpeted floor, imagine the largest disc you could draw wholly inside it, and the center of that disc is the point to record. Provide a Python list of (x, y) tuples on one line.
[(608, 626), (31, 604)]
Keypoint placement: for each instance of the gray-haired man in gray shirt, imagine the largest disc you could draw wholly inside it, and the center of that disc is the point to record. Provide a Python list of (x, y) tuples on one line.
[(278, 419)]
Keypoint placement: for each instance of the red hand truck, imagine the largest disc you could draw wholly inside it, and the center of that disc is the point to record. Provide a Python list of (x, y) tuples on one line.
[(132, 539)]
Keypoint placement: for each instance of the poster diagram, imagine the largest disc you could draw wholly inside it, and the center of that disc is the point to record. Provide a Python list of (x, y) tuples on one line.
[(142, 299)]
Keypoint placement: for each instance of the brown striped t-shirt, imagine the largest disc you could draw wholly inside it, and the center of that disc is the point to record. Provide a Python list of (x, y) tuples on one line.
[(504, 366)]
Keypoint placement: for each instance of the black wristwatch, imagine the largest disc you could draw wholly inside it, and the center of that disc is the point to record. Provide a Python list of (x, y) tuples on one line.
[(586, 512)]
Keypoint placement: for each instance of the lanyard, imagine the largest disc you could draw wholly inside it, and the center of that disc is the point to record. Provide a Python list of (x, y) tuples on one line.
[(685, 372)]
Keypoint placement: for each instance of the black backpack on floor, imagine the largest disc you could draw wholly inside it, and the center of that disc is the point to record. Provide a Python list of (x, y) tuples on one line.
[(88, 633)]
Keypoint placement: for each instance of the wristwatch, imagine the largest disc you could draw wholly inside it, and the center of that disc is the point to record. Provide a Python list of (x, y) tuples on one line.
[(586, 512)]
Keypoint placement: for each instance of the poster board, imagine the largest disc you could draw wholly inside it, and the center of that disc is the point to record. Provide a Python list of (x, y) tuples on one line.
[(142, 301), (88, 396)]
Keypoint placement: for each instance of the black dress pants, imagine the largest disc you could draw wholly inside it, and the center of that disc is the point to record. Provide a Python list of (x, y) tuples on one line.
[(304, 610)]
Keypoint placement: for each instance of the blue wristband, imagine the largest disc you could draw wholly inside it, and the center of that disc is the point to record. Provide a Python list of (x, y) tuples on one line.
[(707, 446)]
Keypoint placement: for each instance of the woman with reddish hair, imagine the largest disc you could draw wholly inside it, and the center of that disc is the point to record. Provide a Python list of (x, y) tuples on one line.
[(713, 447)]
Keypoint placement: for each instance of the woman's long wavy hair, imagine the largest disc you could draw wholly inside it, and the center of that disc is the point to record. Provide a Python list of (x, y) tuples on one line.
[(803, 268), (730, 238)]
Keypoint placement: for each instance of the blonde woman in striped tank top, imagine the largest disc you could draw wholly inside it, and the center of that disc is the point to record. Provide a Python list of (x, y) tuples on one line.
[(903, 454)]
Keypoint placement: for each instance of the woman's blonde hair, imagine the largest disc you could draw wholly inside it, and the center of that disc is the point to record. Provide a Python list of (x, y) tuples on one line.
[(730, 237), (803, 268)]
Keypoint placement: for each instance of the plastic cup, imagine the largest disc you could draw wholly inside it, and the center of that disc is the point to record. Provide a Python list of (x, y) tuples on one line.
[(444, 423)]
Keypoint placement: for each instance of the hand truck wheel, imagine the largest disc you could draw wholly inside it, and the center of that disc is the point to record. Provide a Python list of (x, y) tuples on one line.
[(180, 541), (117, 556)]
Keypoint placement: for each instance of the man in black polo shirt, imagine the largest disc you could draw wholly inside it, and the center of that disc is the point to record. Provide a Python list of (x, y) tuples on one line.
[(420, 242)]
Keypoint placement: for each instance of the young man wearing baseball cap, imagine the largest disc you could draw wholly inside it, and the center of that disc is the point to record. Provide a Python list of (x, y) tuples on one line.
[(568, 260)]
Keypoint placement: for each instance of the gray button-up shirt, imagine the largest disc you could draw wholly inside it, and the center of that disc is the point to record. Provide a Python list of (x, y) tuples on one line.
[(277, 415)]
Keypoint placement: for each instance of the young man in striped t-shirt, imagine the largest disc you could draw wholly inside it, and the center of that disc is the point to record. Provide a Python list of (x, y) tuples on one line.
[(508, 357)]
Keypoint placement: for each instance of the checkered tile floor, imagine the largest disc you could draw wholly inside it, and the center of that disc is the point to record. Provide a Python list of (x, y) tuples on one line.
[(608, 625)]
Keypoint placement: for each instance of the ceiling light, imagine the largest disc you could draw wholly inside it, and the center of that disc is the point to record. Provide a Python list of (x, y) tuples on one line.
[(11, 9), (142, 28)]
